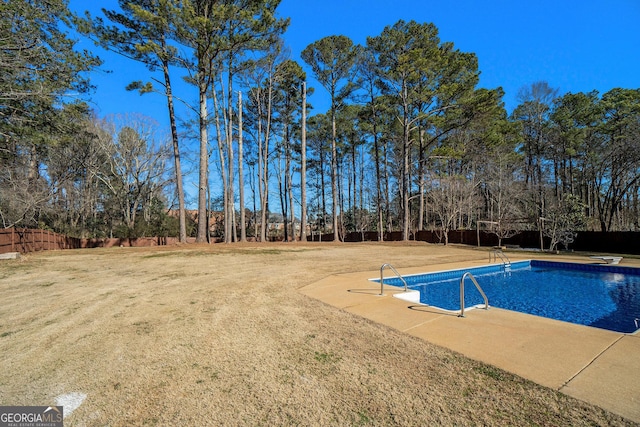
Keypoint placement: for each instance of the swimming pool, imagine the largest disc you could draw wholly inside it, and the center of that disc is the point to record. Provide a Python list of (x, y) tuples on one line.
[(601, 296)]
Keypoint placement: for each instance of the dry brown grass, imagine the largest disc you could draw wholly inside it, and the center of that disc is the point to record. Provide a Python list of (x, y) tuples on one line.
[(218, 335)]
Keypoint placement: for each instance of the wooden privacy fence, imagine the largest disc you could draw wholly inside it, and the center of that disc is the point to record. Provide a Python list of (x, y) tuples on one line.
[(621, 242), (25, 240)]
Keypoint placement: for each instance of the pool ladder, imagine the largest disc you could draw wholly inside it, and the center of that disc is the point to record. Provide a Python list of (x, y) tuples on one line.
[(497, 253), (464, 276), (397, 274), (475, 282)]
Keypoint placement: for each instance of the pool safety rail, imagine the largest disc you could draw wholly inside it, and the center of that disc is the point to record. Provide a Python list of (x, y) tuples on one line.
[(475, 282), (497, 253), (397, 274)]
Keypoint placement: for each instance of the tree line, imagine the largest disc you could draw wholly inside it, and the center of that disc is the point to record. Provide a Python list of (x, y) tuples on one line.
[(409, 142)]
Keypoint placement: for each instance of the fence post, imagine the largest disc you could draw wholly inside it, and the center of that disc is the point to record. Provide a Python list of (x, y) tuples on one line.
[(13, 239)]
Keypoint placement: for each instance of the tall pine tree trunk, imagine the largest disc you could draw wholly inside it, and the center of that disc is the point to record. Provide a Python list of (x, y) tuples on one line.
[(264, 156), (243, 223), (303, 168), (406, 141), (223, 167), (203, 223), (334, 175), (176, 154), (379, 210), (231, 211), (421, 176), (289, 184)]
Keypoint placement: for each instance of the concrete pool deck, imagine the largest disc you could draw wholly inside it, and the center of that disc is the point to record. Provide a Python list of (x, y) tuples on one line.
[(594, 365)]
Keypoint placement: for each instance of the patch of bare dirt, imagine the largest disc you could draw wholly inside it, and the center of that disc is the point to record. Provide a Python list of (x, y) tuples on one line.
[(219, 335)]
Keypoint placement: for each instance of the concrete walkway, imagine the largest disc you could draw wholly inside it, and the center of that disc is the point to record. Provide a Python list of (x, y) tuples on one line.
[(597, 366)]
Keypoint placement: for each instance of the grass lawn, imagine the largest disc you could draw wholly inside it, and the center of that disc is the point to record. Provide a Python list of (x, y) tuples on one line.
[(219, 335)]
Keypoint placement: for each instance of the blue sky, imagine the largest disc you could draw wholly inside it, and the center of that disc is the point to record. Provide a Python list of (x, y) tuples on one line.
[(576, 46)]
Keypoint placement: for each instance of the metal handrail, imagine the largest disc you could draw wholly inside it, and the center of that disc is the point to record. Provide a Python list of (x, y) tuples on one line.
[(475, 282), (397, 274), (497, 253)]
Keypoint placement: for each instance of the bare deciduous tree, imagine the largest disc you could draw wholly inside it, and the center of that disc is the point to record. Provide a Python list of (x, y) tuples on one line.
[(135, 172), (447, 197)]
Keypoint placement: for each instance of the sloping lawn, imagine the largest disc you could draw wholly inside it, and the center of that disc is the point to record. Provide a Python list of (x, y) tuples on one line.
[(218, 335)]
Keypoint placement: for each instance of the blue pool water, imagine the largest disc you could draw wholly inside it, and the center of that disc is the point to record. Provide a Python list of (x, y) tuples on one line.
[(605, 297)]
